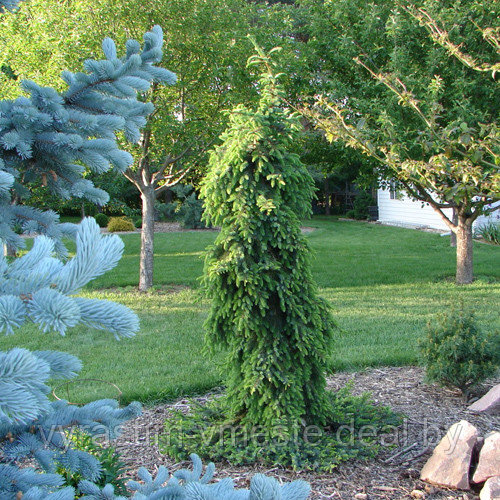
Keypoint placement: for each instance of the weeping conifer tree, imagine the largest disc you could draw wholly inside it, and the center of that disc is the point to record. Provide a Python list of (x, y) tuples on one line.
[(265, 309)]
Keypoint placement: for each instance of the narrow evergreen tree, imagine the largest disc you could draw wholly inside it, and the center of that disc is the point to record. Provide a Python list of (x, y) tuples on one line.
[(265, 308)]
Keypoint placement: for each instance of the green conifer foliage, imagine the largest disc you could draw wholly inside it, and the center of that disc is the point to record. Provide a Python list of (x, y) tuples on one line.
[(265, 310)]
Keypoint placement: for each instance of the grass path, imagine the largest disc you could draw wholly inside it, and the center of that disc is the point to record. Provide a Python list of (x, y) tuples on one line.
[(384, 284)]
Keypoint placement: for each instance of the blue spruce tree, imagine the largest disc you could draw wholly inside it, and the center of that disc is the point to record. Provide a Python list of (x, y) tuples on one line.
[(52, 137)]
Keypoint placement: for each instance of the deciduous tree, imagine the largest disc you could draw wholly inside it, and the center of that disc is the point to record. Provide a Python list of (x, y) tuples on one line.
[(434, 130), (208, 50)]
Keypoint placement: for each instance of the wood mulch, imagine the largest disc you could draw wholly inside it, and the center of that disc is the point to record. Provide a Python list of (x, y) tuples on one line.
[(172, 227), (162, 227), (429, 409)]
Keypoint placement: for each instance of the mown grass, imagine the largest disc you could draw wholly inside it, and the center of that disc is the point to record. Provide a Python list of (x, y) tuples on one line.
[(383, 283)]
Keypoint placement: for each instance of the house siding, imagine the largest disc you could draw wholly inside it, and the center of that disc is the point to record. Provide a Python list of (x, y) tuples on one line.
[(406, 211), (494, 217)]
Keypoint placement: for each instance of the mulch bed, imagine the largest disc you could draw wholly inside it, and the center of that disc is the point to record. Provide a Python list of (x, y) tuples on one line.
[(172, 227), (429, 409), (162, 227)]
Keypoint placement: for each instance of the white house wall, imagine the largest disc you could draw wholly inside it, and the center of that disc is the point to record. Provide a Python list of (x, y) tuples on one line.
[(495, 217), (405, 211)]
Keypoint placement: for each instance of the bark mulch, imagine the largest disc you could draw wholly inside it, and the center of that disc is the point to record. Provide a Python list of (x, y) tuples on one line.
[(429, 409), (172, 227), (161, 227)]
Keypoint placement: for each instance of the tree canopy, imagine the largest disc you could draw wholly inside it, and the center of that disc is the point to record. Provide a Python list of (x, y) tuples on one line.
[(420, 97)]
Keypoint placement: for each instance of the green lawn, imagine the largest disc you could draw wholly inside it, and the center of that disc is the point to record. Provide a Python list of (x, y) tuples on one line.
[(75, 219), (384, 284)]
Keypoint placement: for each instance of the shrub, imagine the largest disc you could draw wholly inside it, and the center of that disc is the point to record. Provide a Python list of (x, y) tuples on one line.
[(115, 208), (166, 211), (456, 353), (112, 468), (489, 231), (187, 208), (360, 206), (131, 213), (191, 212), (138, 222), (120, 224), (102, 219)]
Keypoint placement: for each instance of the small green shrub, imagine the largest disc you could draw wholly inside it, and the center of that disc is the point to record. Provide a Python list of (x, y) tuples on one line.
[(206, 428), (101, 219), (350, 214), (138, 222), (166, 211), (489, 231), (120, 224), (456, 353), (115, 208), (112, 467), (132, 213), (360, 206), (191, 212), (187, 208)]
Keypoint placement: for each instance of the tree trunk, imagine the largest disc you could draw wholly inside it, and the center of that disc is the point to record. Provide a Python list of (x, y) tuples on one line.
[(454, 219), (168, 196), (147, 239), (9, 251), (464, 274)]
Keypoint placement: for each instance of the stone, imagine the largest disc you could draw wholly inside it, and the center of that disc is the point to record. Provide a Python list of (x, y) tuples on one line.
[(361, 496), (491, 489), (450, 462), (489, 403), (489, 459), (417, 494)]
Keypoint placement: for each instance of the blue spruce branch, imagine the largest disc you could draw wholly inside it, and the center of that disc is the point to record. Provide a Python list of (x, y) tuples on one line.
[(37, 286), (49, 136)]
